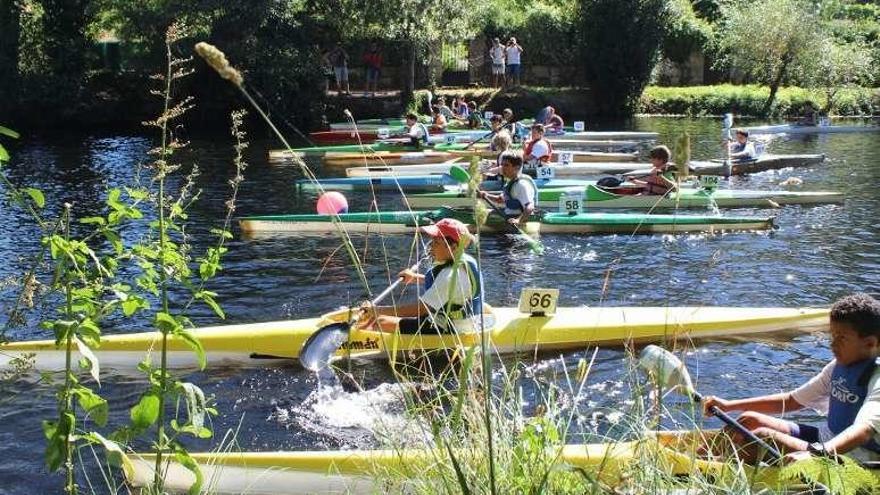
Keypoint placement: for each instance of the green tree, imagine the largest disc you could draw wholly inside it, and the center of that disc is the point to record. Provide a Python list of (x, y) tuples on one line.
[(841, 65), (771, 42), (621, 41), (10, 30), (65, 44)]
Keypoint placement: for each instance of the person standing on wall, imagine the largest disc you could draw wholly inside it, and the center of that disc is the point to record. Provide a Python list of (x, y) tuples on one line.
[(339, 60), (512, 55), (496, 54), (373, 61)]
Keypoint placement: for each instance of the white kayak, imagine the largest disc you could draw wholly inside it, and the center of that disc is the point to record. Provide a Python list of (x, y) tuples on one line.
[(558, 170), (811, 129)]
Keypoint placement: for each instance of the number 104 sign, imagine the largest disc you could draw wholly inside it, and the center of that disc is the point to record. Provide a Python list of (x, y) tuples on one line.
[(538, 302)]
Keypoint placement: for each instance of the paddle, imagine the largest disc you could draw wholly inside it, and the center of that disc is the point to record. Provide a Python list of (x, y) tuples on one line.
[(727, 124), (323, 344), (463, 177), (672, 374)]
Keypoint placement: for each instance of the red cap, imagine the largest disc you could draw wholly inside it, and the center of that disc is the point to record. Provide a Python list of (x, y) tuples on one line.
[(447, 227)]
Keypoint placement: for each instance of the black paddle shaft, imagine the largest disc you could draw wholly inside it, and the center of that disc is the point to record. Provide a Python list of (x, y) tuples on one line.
[(723, 416)]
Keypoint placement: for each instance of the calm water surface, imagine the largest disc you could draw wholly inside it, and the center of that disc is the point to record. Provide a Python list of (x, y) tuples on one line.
[(816, 255)]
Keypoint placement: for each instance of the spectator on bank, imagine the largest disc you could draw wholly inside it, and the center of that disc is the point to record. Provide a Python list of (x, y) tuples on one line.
[(496, 53), (444, 109), (438, 120), (338, 58), (512, 55), (373, 62)]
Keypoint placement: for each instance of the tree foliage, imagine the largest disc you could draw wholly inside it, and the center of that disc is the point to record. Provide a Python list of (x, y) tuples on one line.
[(771, 42), (621, 41)]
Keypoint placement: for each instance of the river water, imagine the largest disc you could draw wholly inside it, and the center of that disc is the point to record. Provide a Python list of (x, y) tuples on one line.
[(816, 255)]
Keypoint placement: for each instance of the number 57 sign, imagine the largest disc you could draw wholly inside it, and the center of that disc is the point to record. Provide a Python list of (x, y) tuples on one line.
[(538, 302)]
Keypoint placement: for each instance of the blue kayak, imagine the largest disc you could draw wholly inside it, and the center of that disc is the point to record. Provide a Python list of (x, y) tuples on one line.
[(437, 182)]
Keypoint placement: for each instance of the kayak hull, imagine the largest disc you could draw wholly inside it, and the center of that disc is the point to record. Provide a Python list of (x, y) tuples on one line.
[(404, 222), (673, 453), (595, 197), (510, 332), (410, 183), (438, 155), (762, 164), (572, 170), (806, 129)]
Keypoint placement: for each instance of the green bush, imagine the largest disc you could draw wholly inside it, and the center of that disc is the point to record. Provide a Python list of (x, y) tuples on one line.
[(748, 100)]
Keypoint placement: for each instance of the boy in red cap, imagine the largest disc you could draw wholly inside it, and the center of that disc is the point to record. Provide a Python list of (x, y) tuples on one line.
[(453, 292)]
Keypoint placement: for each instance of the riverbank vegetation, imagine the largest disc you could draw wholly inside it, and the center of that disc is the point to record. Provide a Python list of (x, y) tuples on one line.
[(88, 63)]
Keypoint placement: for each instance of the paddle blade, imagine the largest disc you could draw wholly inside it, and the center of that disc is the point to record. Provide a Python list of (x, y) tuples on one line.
[(459, 174), (322, 345), (667, 368)]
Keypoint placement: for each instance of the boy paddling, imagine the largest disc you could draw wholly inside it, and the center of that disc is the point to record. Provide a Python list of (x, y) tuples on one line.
[(847, 390), (453, 292)]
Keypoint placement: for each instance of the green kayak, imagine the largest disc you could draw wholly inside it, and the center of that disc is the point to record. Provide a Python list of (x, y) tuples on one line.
[(563, 223), (595, 197)]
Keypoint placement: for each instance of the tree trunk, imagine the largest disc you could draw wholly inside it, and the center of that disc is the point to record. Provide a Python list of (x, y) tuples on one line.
[(10, 31), (777, 81), (409, 74)]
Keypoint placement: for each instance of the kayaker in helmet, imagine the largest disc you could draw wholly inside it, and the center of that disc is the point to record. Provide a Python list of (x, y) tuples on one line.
[(659, 181), (741, 148), (537, 151), (519, 194), (453, 289), (847, 390), (416, 131)]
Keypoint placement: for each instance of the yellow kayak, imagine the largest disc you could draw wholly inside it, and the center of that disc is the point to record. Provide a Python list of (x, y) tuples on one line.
[(673, 453), (508, 331)]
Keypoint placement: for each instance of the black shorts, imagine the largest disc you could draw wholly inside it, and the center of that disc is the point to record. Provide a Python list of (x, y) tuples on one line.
[(413, 326)]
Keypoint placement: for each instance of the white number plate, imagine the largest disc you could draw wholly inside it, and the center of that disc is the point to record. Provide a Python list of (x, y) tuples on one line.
[(565, 158), (488, 114), (538, 301), (571, 202), (579, 126), (382, 133), (709, 181), (450, 138), (546, 172)]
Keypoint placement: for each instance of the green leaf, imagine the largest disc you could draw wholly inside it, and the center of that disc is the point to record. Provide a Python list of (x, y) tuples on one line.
[(97, 220), (93, 404), (146, 412), (114, 239), (134, 303), (62, 329), (88, 355), (189, 463), (90, 333), (36, 196), (4, 155), (195, 344), (115, 455), (166, 323), (208, 298), (9, 132)]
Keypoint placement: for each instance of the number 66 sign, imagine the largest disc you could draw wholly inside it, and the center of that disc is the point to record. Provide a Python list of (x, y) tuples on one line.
[(538, 302)]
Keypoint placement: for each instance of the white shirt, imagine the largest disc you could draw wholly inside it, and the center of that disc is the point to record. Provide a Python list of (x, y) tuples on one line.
[(497, 55), (512, 54), (445, 291), (747, 152), (816, 392), (417, 131), (539, 150)]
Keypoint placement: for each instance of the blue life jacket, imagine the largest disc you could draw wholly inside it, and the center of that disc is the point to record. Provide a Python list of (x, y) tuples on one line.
[(513, 206), (849, 387), (474, 306), (738, 147)]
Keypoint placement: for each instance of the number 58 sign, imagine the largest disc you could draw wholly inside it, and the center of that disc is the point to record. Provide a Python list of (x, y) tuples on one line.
[(538, 301)]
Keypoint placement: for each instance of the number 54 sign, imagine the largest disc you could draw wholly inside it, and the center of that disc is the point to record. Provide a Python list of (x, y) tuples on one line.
[(538, 301)]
